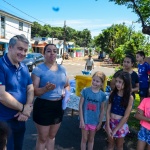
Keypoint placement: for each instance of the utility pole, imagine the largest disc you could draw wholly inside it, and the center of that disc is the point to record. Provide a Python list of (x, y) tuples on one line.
[(52, 37), (64, 39)]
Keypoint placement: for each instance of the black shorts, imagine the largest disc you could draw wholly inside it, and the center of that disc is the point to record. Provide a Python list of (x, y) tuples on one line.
[(46, 112), (143, 92)]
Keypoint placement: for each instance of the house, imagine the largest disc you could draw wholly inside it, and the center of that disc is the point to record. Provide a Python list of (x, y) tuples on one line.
[(70, 45), (38, 44), (11, 25)]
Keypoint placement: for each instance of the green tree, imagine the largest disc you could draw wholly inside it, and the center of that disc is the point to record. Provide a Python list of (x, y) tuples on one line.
[(112, 37), (98, 49), (45, 31), (141, 8), (119, 40), (81, 38), (118, 54), (36, 29), (57, 32), (71, 34), (137, 42)]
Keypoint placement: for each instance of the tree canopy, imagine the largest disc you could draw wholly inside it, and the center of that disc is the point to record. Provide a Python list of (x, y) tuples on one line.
[(81, 38), (141, 8), (119, 40)]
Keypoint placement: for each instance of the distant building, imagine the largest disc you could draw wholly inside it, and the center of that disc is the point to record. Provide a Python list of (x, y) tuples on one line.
[(11, 25), (38, 44), (70, 45)]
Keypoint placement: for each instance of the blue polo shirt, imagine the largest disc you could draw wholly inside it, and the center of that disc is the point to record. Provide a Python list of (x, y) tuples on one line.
[(15, 81)]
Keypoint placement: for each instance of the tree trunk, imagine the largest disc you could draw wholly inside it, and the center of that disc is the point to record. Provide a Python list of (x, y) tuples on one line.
[(146, 30)]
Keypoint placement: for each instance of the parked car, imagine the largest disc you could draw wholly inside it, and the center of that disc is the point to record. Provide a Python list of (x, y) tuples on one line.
[(33, 59), (59, 59)]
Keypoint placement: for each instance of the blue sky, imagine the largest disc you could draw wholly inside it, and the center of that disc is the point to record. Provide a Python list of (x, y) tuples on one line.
[(94, 15)]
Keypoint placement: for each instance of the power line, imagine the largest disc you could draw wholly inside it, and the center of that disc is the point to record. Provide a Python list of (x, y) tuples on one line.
[(3, 8), (14, 27), (17, 28), (34, 17), (24, 12), (28, 15)]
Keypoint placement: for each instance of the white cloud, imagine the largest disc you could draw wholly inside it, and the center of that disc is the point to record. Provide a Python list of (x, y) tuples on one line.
[(94, 25)]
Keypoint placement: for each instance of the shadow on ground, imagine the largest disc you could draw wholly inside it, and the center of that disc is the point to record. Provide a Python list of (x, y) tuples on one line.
[(69, 135)]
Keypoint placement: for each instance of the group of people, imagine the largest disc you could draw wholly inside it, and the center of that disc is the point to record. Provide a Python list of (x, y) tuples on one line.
[(49, 84), (125, 83)]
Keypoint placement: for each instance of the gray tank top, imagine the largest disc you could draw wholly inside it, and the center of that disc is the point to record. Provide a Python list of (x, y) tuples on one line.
[(56, 77)]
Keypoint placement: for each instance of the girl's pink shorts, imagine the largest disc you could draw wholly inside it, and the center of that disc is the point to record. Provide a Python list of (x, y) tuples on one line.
[(90, 127)]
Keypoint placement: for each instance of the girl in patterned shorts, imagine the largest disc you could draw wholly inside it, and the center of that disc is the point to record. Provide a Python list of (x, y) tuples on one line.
[(118, 111)]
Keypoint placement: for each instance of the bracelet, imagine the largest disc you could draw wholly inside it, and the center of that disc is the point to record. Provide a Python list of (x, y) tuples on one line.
[(22, 108)]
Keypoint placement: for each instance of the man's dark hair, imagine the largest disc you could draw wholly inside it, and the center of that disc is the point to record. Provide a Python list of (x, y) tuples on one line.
[(141, 53), (4, 131)]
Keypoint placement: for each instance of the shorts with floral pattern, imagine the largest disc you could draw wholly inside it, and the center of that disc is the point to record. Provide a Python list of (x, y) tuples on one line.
[(144, 135), (122, 132)]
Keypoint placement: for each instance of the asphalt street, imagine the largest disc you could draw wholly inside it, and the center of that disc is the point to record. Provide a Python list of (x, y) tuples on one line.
[(75, 66), (69, 134)]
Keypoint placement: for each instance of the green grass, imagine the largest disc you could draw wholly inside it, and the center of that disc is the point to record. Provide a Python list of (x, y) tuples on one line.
[(132, 121)]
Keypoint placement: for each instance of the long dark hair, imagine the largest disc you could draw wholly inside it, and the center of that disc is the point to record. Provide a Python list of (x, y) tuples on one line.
[(126, 77)]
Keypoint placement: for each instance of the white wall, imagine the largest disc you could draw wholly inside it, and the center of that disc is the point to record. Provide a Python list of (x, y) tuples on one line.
[(12, 28)]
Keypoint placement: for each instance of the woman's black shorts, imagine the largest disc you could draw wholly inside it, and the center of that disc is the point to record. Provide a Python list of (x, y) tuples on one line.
[(47, 112)]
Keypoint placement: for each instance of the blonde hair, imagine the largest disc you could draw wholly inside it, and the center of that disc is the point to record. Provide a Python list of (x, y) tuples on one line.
[(102, 77)]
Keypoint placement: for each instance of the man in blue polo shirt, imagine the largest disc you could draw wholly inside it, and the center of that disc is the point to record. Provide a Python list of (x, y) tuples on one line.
[(16, 91)]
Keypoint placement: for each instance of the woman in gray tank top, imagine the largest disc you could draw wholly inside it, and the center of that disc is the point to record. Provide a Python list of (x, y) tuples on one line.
[(49, 80)]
